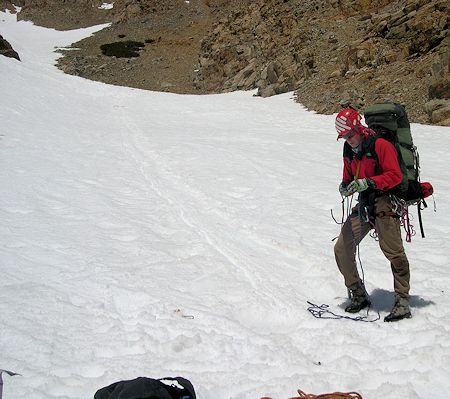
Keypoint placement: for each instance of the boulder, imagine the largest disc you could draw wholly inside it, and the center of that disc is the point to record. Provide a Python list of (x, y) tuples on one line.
[(266, 91), (441, 115), (271, 72), (7, 50), (439, 111), (440, 89)]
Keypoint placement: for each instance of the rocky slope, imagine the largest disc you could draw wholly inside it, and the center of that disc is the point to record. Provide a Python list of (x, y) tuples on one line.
[(332, 53), (336, 53), (171, 32)]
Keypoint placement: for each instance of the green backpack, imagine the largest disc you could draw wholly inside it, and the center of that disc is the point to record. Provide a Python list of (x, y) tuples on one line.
[(390, 121)]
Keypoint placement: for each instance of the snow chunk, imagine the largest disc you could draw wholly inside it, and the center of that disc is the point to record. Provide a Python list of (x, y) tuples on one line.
[(106, 6)]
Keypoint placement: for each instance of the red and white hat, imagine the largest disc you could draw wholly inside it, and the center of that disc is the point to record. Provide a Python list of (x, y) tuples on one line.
[(347, 120)]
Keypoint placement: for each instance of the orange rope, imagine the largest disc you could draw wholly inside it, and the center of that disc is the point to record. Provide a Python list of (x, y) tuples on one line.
[(334, 395)]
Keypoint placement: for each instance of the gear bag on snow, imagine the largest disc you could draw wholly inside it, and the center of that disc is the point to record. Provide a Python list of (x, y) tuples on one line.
[(390, 121), (148, 388)]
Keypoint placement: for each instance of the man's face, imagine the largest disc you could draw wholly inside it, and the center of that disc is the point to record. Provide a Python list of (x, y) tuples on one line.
[(354, 140)]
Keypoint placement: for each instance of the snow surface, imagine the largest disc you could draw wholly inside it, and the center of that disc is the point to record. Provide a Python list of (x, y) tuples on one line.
[(107, 6), (153, 234)]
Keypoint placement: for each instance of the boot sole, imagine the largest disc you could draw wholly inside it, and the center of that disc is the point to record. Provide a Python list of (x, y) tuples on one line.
[(397, 318)]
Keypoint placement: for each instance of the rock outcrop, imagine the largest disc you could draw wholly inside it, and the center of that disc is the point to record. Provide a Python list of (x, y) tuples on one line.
[(7, 50)]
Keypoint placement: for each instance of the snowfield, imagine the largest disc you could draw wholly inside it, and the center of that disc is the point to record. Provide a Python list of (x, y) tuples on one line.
[(153, 234)]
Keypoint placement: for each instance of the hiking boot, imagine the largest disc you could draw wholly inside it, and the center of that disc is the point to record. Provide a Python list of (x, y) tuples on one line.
[(359, 299), (400, 310)]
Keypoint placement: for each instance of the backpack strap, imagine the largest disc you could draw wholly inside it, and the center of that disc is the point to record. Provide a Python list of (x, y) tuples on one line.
[(368, 149), (348, 152), (366, 198)]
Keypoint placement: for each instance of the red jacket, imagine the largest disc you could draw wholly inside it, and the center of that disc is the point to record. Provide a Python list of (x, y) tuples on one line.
[(389, 174)]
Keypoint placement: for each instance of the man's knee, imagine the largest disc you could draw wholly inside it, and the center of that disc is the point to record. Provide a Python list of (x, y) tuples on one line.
[(339, 247)]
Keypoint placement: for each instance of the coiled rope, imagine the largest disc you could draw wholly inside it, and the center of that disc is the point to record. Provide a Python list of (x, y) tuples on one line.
[(334, 395)]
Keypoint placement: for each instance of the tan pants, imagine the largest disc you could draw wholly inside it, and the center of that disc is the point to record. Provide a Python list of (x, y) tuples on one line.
[(390, 240)]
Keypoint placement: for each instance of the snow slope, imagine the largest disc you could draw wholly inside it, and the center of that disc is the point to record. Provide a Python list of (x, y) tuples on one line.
[(152, 234)]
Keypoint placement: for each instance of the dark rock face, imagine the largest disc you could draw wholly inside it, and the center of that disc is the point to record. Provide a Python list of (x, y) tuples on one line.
[(7, 50)]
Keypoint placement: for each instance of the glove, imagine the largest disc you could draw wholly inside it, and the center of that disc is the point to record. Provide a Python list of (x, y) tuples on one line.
[(360, 185), (343, 190)]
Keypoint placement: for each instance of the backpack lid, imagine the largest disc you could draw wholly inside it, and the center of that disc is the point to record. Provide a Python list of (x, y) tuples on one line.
[(386, 116)]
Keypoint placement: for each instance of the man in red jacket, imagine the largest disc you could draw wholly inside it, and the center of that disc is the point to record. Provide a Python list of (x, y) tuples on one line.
[(372, 176)]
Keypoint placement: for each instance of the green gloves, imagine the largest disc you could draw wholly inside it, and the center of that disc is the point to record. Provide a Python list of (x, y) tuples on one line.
[(356, 186), (359, 185)]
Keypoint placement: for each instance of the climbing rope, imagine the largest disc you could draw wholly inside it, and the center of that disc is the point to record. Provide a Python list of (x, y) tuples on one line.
[(323, 312), (334, 395), (406, 218)]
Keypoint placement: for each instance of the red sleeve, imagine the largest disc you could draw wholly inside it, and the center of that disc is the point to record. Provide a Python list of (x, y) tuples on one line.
[(390, 174), (347, 175)]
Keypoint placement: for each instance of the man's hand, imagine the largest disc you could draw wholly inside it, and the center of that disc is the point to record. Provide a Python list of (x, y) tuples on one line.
[(343, 190), (359, 185)]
